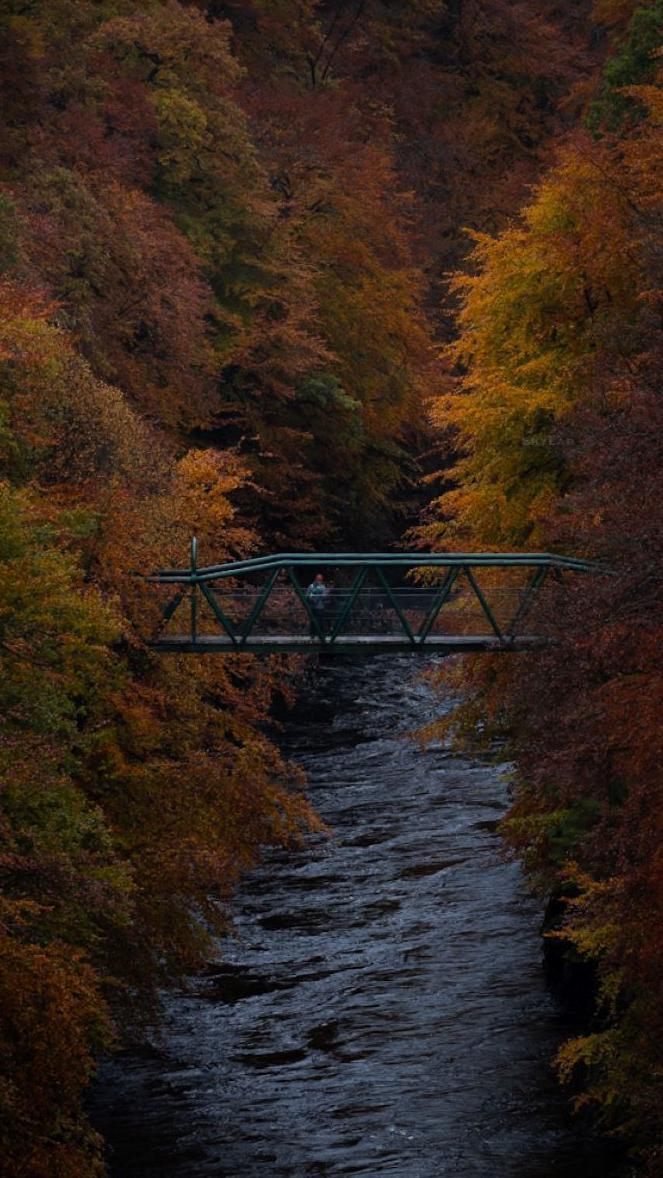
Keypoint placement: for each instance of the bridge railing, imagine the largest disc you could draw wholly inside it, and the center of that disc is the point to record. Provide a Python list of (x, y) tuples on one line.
[(371, 612), (412, 599)]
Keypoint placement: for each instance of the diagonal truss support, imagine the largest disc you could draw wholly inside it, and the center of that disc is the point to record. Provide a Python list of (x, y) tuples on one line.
[(535, 583), (170, 609), (197, 585), (259, 606), (482, 601), (355, 588), (401, 616), (211, 600), (442, 597)]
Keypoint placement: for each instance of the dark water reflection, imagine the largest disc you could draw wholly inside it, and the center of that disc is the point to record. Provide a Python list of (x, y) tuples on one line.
[(383, 1010)]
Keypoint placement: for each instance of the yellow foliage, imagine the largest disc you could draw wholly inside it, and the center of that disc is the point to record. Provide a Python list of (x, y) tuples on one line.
[(536, 320)]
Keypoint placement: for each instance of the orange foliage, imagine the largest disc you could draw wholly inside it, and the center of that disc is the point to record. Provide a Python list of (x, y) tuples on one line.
[(562, 425)]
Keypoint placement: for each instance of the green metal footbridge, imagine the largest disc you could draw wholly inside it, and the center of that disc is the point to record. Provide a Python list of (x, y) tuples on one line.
[(374, 603)]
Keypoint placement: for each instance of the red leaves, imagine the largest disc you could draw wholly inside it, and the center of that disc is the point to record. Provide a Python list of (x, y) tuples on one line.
[(564, 309)]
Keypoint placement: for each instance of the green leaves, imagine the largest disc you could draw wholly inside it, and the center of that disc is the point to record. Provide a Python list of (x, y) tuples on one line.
[(632, 63), (54, 640)]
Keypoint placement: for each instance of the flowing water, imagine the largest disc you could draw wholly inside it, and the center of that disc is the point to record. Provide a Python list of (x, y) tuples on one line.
[(383, 1009)]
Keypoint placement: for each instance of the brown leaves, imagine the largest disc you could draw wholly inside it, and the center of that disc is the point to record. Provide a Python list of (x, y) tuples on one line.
[(53, 1016), (560, 316)]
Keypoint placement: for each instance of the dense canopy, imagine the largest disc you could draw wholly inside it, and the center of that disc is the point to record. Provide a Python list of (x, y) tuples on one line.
[(287, 274)]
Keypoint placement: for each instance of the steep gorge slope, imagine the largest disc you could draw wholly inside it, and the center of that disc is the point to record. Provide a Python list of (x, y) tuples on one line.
[(223, 238)]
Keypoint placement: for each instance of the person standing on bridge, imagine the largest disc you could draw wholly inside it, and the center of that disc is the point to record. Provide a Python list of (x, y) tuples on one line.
[(317, 596)]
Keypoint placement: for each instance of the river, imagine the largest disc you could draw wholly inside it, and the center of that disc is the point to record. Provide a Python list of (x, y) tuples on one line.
[(382, 1009)]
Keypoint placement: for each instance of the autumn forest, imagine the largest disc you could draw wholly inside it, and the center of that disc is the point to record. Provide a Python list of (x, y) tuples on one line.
[(297, 275)]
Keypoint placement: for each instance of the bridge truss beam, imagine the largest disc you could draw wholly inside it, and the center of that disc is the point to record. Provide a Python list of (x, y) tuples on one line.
[(260, 605)]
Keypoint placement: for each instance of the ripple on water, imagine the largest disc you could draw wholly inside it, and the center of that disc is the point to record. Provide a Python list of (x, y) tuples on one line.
[(382, 1009)]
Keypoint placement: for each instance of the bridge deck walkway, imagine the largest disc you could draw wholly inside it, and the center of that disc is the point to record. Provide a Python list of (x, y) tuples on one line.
[(346, 644), (376, 603)]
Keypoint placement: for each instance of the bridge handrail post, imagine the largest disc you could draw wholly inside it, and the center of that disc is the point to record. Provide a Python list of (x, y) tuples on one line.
[(200, 585), (194, 589)]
